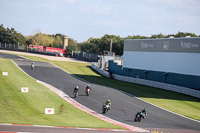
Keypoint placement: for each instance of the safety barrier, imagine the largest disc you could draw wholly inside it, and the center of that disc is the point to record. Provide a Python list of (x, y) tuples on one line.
[(165, 86), (100, 71)]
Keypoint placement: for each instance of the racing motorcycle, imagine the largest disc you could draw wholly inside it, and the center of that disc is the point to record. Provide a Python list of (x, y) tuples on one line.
[(75, 93), (105, 108), (32, 66), (87, 91), (140, 115)]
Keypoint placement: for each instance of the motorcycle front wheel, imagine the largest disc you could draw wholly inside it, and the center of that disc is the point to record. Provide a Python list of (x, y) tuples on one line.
[(104, 111)]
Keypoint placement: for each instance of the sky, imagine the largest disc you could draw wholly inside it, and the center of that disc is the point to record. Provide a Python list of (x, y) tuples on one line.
[(82, 19)]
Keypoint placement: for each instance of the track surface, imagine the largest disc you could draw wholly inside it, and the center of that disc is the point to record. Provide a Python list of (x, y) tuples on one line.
[(124, 107), (35, 129)]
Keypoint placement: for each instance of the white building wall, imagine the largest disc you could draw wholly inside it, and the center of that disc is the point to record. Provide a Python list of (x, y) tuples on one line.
[(184, 63)]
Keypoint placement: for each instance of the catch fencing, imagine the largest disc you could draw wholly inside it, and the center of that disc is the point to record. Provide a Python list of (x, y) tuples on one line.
[(85, 56), (22, 48)]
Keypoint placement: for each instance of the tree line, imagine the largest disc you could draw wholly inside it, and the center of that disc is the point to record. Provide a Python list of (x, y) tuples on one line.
[(98, 45), (11, 36), (92, 45)]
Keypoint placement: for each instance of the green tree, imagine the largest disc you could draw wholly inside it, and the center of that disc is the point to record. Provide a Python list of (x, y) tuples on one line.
[(158, 36), (28, 39), (58, 41), (42, 39), (11, 36), (3, 34), (136, 37), (117, 44), (184, 34), (72, 45)]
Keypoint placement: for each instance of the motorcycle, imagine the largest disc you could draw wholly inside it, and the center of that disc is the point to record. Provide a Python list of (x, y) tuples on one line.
[(140, 115), (32, 66), (87, 92), (105, 108), (75, 93)]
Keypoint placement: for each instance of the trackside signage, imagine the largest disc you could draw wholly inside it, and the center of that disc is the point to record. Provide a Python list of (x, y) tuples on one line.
[(24, 89), (5, 73), (183, 45), (49, 110)]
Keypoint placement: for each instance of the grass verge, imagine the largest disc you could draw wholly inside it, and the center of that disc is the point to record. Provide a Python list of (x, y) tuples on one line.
[(28, 108)]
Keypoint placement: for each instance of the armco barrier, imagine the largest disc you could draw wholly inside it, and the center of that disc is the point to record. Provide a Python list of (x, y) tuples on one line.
[(102, 72), (170, 87), (164, 86)]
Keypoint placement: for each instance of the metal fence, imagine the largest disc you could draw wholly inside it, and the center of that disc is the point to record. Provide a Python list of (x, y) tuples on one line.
[(85, 56), (22, 48)]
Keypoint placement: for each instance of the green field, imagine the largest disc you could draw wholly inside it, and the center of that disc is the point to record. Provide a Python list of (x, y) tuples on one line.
[(28, 108), (172, 101)]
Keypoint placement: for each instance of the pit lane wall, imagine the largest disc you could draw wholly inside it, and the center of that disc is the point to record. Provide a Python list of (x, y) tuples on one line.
[(165, 86)]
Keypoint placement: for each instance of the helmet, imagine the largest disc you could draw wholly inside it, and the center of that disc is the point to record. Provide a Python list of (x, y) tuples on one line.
[(144, 110), (76, 87), (108, 100), (88, 85)]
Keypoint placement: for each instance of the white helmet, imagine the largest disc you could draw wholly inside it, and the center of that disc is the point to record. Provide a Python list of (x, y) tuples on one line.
[(76, 87)]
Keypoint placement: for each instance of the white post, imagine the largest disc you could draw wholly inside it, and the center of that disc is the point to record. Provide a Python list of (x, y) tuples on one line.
[(111, 46)]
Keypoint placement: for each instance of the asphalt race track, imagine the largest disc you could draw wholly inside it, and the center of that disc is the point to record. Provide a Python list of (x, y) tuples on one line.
[(124, 107), (33, 129)]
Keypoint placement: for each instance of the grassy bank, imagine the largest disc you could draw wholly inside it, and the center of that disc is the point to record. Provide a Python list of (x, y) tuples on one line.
[(28, 108)]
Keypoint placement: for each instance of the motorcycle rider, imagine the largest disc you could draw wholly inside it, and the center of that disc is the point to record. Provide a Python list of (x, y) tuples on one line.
[(108, 102), (76, 90), (32, 65), (141, 114), (144, 113), (88, 87)]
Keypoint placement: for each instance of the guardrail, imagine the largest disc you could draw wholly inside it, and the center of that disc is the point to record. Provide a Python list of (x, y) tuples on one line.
[(102, 72), (179, 89)]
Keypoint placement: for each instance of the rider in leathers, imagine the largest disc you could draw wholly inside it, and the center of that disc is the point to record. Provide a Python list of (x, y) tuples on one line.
[(88, 87), (76, 90), (108, 102), (144, 113)]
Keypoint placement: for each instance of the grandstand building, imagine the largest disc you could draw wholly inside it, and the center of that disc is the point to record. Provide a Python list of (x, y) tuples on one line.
[(173, 61), (177, 55)]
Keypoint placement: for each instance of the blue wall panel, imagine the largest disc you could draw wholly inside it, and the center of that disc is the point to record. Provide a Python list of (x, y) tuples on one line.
[(156, 76), (188, 81), (138, 73)]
